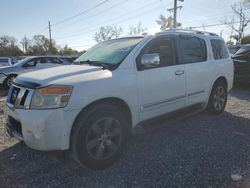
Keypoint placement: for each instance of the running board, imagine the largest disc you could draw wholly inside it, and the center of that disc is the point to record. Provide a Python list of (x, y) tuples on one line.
[(172, 117)]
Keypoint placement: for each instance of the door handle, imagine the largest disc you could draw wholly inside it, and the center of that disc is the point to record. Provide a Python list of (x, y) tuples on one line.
[(179, 72)]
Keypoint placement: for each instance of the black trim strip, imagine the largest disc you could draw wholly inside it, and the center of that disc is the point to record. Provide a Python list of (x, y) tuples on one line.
[(146, 106), (195, 93), (26, 84)]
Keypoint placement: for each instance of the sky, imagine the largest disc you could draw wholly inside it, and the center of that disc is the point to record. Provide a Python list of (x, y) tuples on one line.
[(74, 22)]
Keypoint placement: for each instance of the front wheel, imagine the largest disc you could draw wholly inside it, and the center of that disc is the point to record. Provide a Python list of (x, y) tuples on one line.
[(100, 136), (218, 98)]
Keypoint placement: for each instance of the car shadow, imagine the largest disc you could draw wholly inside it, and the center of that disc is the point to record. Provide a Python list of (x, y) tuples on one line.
[(3, 91), (200, 151), (241, 92)]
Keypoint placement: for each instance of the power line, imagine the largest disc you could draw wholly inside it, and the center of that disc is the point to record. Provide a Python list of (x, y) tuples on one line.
[(93, 28), (114, 23), (91, 16), (42, 30), (213, 25), (81, 13)]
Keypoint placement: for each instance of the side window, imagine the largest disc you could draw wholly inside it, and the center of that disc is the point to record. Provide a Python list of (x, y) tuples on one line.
[(31, 63), (57, 61), (39, 61), (219, 49), (49, 60), (193, 49), (164, 47)]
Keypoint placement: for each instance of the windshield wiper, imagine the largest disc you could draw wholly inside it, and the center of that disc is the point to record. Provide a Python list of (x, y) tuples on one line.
[(95, 63)]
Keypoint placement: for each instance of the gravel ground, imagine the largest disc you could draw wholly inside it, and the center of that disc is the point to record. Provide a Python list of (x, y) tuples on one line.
[(200, 151)]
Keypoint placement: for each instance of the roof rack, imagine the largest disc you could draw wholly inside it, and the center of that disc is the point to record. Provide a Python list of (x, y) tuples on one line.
[(190, 31)]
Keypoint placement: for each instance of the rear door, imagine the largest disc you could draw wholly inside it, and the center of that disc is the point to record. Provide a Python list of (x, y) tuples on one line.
[(198, 68), (161, 88)]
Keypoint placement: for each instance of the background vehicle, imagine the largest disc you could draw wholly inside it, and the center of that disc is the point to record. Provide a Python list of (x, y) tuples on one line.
[(8, 74), (5, 61), (241, 60), (93, 107), (14, 60), (234, 48), (70, 59)]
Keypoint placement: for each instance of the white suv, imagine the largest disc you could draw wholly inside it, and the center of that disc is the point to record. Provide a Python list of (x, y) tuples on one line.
[(93, 106)]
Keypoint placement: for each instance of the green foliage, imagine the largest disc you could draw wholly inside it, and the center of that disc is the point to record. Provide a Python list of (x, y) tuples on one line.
[(167, 22), (8, 46), (245, 40), (38, 45), (67, 51), (230, 43)]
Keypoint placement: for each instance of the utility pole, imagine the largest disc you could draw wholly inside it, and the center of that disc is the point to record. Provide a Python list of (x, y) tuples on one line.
[(175, 11), (50, 42), (25, 44)]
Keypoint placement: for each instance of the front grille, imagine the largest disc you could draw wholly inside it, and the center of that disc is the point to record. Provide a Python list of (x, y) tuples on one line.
[(15, 125), (13, 95), (19, 97)]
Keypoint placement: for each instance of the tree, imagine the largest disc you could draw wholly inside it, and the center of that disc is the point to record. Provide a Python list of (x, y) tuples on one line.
[(107, 33), (8, 46), (67, 51), (230, 43), (25, 42), (245, 40), (41, 46), (135, 30), (239, 27), (166, 22)]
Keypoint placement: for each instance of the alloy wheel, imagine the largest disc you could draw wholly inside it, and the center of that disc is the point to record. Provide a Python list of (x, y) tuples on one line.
[(219, 98), (104, 138)]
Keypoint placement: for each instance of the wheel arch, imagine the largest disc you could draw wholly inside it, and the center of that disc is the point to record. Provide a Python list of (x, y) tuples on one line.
[(223, 79), (8, 76), (109, 100)]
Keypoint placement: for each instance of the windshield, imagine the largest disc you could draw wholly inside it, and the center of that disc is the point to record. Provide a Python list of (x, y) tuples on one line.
[(244, 49), (233, 49), (20, 62), (110, 52)]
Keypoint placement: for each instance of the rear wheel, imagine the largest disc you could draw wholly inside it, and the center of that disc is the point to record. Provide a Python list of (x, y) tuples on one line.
[(100, 136), (218, 98)]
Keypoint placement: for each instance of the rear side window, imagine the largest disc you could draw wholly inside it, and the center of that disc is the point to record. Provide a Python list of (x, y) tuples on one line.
[(219, 49), (193, 48), (4, 60)]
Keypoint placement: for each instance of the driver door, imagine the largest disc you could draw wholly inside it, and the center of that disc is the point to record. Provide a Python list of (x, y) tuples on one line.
[(162, 87)]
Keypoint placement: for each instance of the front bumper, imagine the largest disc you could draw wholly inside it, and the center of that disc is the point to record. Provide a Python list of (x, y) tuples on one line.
[(43, 130)]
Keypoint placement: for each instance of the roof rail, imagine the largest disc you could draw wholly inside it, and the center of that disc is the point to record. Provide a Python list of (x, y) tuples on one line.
[(190, 31)]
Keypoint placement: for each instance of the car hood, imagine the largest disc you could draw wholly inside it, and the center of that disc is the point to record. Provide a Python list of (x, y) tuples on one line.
[(68, 74), (4, 69)]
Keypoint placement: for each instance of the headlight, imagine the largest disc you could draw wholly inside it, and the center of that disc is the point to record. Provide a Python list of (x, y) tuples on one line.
[(54, 96)]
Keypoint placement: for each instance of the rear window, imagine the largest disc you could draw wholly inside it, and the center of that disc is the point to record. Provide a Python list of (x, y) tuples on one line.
[(243, 49), (2, 60), (219, 49), (194, 49)]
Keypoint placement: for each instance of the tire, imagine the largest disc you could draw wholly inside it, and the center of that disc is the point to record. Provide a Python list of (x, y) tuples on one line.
[(218, 98), (99, 136), (9, 80)]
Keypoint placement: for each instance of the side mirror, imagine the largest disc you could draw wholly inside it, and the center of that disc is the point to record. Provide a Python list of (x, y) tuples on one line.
[(150, 60)]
